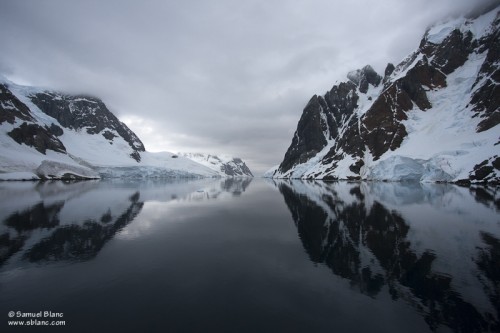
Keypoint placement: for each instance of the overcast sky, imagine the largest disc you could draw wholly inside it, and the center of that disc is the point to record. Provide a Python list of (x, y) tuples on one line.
[(217, 76)]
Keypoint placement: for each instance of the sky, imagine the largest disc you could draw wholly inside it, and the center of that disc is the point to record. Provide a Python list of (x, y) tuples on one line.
[(219, 76)]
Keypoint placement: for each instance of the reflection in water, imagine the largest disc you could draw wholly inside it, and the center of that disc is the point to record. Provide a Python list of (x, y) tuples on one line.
[(236, 186), (54, 221), (221, 187), (83, 242), (436, 247)]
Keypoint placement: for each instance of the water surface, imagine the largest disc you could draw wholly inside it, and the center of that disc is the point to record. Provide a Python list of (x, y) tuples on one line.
[(243, 255)]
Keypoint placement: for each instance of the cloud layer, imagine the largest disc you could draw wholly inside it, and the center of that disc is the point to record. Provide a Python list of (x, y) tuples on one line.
[(210, 76)]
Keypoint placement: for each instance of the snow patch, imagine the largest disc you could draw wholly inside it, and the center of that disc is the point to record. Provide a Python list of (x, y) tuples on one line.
[(438, 33), (58, 170)]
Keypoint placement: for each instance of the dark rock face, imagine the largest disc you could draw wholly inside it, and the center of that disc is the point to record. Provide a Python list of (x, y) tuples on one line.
[(363, 77), (309, 138), (342, 100), (484, 171), (381, 126), (41, 138), (108, 135), (56, 130), (451, 53), (324, 117), (11, 107), (38, 137), (84, 112), (388, 71), (486, 100)]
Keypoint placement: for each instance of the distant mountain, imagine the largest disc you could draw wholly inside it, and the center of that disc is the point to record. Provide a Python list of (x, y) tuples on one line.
[(51, 135), (433, 117), (223, 164)]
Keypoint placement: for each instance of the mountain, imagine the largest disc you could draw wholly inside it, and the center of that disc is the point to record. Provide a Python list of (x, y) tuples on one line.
[(51, 135), (433, 117), (223, 164)]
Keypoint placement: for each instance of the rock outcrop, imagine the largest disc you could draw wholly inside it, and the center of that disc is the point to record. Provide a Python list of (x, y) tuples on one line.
[(89, 114)]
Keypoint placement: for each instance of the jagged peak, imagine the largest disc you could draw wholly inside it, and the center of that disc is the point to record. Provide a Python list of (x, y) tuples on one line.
[(364, 76), (313, 100), (389, 69)]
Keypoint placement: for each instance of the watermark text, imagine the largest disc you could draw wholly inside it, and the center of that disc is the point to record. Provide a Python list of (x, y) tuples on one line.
[(40, 318)]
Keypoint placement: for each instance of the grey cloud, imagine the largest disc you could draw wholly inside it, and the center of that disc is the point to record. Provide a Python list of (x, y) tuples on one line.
[(221, 76)]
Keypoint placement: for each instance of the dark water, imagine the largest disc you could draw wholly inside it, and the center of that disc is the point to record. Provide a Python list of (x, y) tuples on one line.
[(251, 256)]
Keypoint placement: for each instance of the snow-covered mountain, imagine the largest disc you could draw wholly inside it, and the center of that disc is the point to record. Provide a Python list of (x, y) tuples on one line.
[(223, 164), (47, 134), (433, 117)]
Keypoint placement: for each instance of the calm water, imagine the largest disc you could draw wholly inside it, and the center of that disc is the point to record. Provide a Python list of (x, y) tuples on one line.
[(251, 256)]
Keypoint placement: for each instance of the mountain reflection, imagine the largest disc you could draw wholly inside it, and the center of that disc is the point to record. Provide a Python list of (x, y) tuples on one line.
[(82, 242), (236, 186), (435, 247), (58, 221)]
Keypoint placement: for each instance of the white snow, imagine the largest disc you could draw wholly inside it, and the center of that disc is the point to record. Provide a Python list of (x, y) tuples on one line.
[(479, 27), (56, 170), (269, 173), (438, 33)]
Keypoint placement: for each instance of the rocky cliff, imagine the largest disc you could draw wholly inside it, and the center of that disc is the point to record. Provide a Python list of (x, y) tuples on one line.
[(432, 117)]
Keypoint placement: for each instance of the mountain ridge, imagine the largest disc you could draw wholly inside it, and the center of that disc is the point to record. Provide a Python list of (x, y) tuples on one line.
[(431, 118), (229, 165)]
